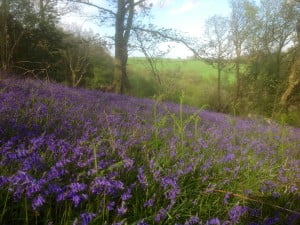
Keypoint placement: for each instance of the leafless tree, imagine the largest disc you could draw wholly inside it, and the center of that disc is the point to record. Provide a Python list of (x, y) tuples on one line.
[(77, 59), (217, 46), (240, 28)]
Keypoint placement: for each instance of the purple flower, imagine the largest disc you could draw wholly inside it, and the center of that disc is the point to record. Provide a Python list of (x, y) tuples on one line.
[(275, 194), (61, 197), (156, 175), (213, 221), (229, 157), (77, 187), (160, 215), (149, 203), (172, 193), (142, 222), (271, 221), (293, 188), (237, 212), (127, 195), (101, 184), (3, 180), (54, 188), (37, 142), (192, 221), (292, 219), (128, 163), (22, 178), (169, 181), (37, 202), (76, 199), (111, 206), (227, 197), (86, 218), (141, 177), (48, 134), (33, 188), (122, 210), (207, 165)]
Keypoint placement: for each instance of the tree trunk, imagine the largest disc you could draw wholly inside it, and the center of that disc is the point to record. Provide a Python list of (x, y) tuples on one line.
[(42, 11), (278, 65), (119, 49), (219, 85), (294, 77), (73, 77), (238, 77), (4, 35), (293, 84), (117, 83), (124, 19)]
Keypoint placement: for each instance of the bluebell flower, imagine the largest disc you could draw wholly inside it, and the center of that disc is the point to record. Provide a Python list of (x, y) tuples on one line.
[(227, 197), (160, 215), (213, 221), (37, 202), (141, 177), (237, 212), (3, 180), (149, 203), (194, 220), (142, 222), (271, 221), (86, 218), (111, 206), (122, 209)]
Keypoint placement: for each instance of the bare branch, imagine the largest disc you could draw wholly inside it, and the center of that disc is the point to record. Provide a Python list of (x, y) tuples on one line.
[(139, 2), (171, 37), (149, 58), (129, 21), (88, 3)]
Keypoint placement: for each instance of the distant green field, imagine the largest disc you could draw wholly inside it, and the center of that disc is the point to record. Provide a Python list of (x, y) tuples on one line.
[(194, 79), (183, 67)]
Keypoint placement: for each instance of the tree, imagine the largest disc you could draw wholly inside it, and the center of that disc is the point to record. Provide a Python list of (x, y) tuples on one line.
[(240, 27), (30, 39), (294, 74), (4, 8), (277, 22), (12, 29), (122, 13), (217, 46), (293, 82), (76, 54), (86, 59), (268, 53), (102, 64)]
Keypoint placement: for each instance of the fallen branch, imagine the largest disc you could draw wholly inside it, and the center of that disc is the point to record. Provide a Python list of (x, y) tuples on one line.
[(256, 200)]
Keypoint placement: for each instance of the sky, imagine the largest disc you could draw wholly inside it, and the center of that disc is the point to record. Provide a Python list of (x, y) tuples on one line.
[(187, 16)]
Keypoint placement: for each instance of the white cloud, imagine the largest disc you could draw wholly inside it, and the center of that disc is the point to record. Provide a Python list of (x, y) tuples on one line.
[(184, 8), (170, 8), (161, 3)]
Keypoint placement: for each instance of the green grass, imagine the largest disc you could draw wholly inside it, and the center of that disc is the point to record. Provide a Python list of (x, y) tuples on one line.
[(184, 67), (196, 79)]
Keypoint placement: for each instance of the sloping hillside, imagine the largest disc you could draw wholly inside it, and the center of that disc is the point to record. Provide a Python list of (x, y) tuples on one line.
[(75, 156)]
